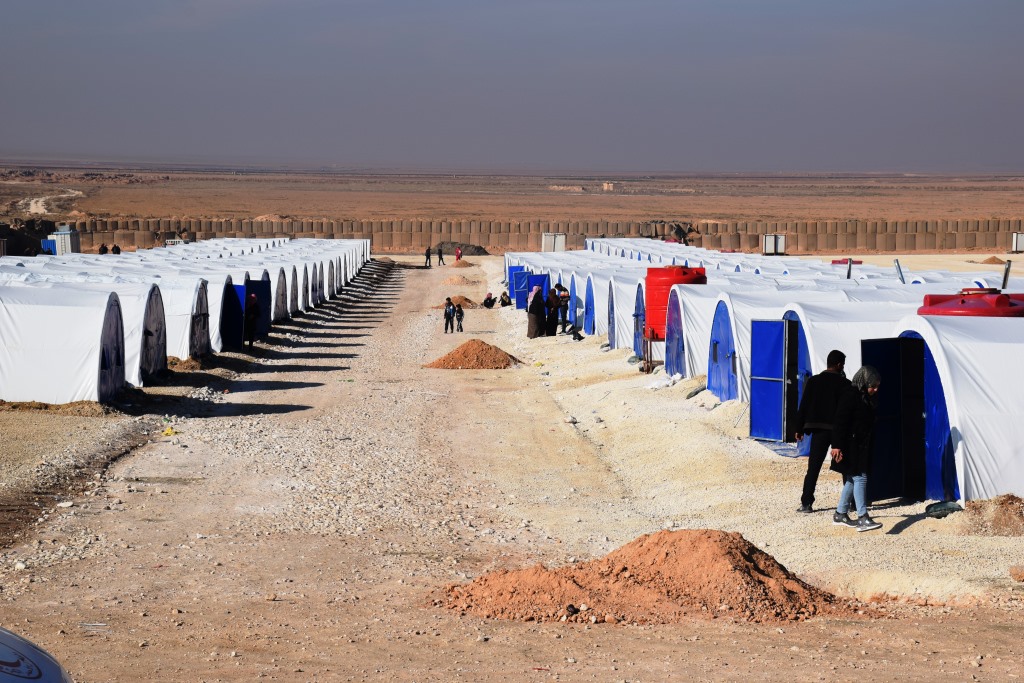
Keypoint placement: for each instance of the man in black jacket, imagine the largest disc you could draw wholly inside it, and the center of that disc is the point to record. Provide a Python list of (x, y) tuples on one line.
[(815, 417)]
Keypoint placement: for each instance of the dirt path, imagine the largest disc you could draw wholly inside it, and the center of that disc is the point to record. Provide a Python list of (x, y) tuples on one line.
[(40, 206), (300, 533)]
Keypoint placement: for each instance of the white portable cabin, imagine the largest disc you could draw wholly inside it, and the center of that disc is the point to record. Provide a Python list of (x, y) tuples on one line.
[(59, 344)]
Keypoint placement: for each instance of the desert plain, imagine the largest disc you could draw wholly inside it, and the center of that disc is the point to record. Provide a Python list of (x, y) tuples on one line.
[(299, 513)]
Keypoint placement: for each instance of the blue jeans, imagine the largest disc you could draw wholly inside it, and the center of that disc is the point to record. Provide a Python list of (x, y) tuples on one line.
[(855, 488)]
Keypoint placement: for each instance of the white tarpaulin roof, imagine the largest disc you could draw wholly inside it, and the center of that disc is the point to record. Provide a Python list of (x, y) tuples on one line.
[(843, 324)]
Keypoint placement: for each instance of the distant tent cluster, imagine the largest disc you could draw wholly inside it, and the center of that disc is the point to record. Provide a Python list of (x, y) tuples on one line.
[(77, 327), (950, 421)]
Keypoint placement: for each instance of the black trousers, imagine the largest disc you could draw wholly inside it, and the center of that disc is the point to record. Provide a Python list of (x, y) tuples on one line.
[(820, 441), (449, 325)]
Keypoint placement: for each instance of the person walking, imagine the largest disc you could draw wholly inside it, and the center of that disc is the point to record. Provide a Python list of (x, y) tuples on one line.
[(252, 318), (814, 420), (459, 315), (458, 253), (535, 313), (853, 441), (449, 316), (427, 254), (440, 256), (553, 305)]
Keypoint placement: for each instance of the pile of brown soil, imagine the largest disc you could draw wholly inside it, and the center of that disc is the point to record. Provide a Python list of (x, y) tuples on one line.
[(383, 259), (999, 516), (459, 299), (659, 578), (463, 264), (459, 280), (475, 355), (993, 261), (187, 365), (76, 409)]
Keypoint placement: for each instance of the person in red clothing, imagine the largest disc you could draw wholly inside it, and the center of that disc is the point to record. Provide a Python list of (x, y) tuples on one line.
[(458, 253)]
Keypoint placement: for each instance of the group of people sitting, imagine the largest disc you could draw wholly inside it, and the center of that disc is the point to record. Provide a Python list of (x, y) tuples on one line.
[(545, 313), (503, 301)]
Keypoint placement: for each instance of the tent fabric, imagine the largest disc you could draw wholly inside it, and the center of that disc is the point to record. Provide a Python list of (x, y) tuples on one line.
[(741, 308), (842, 325), (978, 363), (40, 361)]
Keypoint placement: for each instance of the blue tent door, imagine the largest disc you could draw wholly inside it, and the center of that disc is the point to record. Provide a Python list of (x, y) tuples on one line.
[(510, 276), (520, 287), (722, 371), (897, 465), (773, 353), (588, 308), (639, 322)]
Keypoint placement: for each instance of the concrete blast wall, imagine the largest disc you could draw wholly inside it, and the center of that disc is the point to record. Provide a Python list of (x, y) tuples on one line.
[(499, 236)]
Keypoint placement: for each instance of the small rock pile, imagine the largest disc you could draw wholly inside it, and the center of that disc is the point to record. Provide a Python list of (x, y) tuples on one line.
[(475, 355), (658, 578)]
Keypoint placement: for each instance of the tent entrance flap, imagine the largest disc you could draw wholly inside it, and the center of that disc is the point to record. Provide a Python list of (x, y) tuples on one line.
[(723, 374), (520, 287), (773, 373), (898, 464)]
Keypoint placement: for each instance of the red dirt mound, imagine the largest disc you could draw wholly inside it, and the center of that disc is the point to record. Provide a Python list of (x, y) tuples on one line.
[(463, 264), (459, 299), (657, 579), (993, 261), (999, 516), (475, 355)]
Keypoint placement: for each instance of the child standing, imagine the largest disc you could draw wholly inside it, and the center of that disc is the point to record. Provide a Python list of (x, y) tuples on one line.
[(449, 316), (459, 315)]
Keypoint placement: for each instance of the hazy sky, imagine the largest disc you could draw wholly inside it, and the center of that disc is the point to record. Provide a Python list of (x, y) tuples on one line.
[(571, 85)]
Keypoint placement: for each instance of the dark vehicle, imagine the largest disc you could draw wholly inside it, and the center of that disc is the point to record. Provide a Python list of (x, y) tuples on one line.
[(22, 661)]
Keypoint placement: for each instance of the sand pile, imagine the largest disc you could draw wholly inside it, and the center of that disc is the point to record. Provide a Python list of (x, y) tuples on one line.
[(658, 578), (463, 264), (460, 280), (993, 261), (999, 516), (459, 299), (475, 355)]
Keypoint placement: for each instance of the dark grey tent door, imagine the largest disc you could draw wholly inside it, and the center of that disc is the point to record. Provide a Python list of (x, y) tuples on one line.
[(897, 465)]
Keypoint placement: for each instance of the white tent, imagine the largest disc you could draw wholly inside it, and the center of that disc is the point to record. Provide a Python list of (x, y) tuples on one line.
[(982, 380), (40, 360)]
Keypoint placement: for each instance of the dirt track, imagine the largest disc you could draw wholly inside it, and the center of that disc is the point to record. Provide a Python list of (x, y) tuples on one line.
[(303, 529)]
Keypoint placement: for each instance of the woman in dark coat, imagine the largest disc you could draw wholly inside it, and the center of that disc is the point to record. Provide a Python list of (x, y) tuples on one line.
[(535, 313), (553, 305), (853, 441)]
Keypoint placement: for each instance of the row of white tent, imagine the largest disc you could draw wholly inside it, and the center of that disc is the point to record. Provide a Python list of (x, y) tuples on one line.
[(77, 327), (950, 414)]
